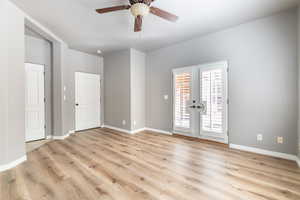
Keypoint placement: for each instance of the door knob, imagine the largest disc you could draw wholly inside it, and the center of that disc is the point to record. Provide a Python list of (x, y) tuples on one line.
[(76, 104)]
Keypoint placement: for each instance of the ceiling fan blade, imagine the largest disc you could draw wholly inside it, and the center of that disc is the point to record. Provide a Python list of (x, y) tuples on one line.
[(111, 9), (138, 23), (163, 14)]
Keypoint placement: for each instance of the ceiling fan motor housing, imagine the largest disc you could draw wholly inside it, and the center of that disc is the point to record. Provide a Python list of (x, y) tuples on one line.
[(140, 9)]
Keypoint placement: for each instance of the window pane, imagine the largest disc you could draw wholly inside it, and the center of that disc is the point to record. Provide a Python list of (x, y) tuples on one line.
[(212, 94), (182, 98)]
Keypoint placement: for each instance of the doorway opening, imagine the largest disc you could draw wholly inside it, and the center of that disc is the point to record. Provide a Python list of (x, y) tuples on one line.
[(38, 89)]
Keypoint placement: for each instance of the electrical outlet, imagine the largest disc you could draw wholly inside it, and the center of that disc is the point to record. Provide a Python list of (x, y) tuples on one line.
[(124, 122), (280, 140), (134, 123), (259, 137)]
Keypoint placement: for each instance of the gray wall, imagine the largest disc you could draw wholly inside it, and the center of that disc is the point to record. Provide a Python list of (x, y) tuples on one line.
[(117, 89), (59, 54), (12, 78), (263, 74), (77, 61), (39, 51), (298, 12), (138, 89)]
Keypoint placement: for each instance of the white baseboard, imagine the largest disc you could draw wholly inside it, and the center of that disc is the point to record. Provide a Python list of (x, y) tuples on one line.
[(158, 131), (298, 161), (266, 152), (12, 164), (48, 137), (54, 137), (118, 129), (63, 136), (138, 130)]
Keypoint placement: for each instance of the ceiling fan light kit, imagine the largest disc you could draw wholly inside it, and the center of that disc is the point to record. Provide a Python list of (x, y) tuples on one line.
[(140, 9)]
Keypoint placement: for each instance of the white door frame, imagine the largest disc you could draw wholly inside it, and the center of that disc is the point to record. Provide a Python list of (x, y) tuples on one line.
[(76, 86), (44, 105), (194, 119)]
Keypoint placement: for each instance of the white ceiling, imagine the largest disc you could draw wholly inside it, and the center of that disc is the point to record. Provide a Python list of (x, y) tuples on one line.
[(77, 23)]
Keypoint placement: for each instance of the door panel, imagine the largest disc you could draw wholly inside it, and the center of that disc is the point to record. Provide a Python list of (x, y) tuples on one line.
[(35, 104), (213, 91), (200, 101), (87, 101), (182, 100)]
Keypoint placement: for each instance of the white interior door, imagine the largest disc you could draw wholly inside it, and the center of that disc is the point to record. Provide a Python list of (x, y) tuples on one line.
[(87, 99), (34, 102), (201, 102)]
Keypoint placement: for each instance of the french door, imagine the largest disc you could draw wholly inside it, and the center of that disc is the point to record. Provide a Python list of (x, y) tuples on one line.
[(87, 97), (201, 101)]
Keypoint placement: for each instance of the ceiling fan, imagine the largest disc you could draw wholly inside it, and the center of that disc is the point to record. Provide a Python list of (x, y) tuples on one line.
[(140, 9)]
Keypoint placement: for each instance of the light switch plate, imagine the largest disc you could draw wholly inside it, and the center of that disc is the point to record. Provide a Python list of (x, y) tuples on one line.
[(166, 97), (280, 140), (259, 137)]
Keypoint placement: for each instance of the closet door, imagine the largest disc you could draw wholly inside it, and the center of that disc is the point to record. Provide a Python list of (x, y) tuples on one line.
[(34, 102), (87, 97)]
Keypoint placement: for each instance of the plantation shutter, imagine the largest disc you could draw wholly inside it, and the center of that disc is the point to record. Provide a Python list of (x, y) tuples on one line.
[(212, 93), (183, 90)]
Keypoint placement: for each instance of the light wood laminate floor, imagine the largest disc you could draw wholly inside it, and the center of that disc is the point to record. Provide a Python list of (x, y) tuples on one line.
[(102, 164), (30, 146)]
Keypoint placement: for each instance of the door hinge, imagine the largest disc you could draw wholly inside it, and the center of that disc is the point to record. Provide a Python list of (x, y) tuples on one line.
[(44, 99), (227, 69), (227, 101), (45, 126)]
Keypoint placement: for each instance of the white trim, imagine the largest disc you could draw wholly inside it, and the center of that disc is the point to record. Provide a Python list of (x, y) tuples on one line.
[(298, 161), (138, 130), (48, 137), (159, 131), (60, 137), (266, 152), (63, 136), (12, 164), (118, 129)]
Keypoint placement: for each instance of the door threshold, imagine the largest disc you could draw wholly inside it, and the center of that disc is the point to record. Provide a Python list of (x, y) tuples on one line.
[(202, 140)]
